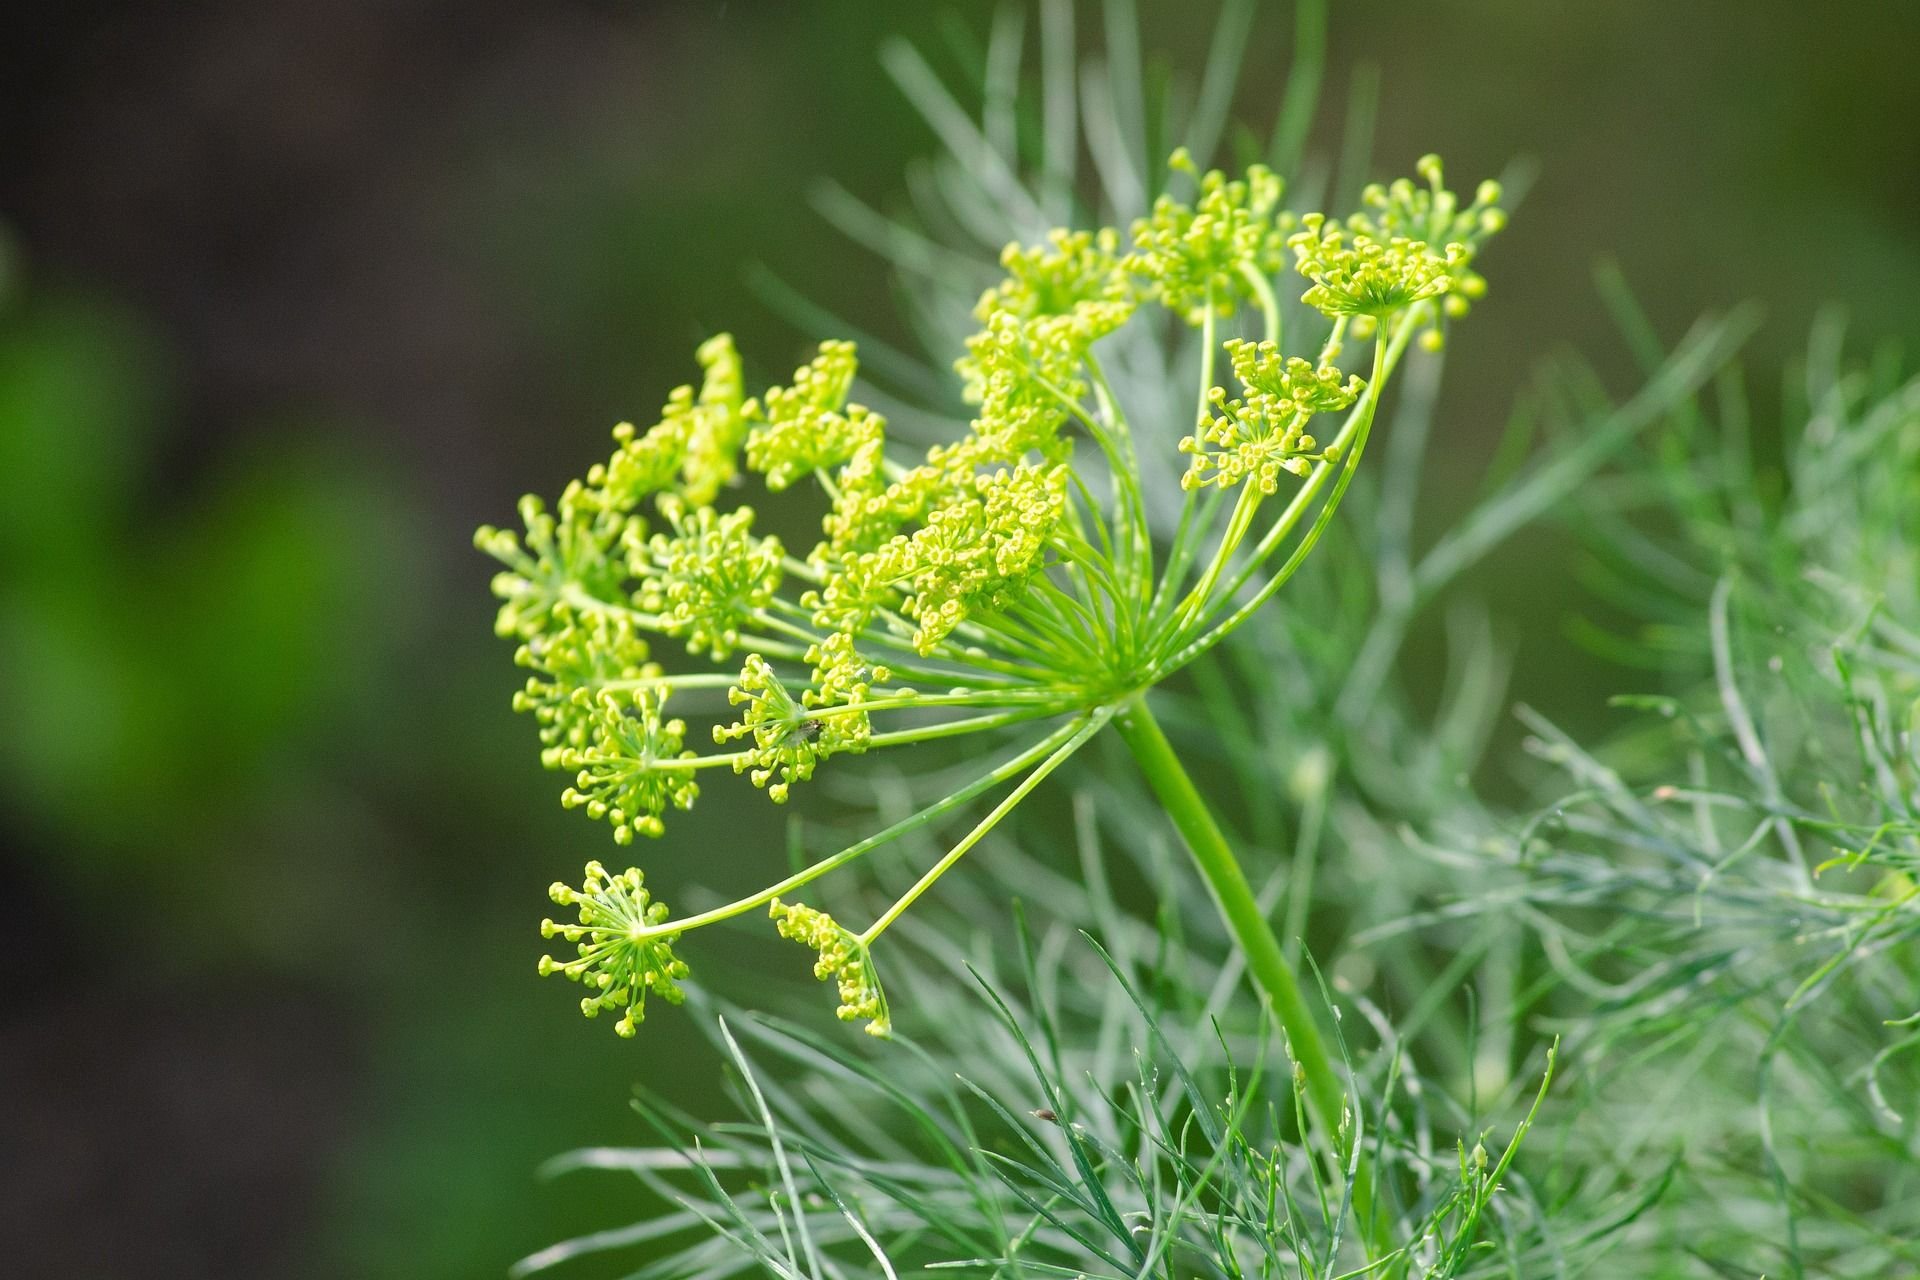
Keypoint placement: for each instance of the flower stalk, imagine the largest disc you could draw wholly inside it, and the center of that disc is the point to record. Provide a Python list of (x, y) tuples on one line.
[(1234, 898)]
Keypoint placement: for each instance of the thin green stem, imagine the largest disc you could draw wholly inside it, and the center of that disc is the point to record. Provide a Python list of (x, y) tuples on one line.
[(583, 601), (1209, 344), (1240, 909), (1354, 440), (1190, 529), (1386, 358), (1082, 729), (1178, 556), (892, 738), (1269, 305), (801, 569), (1040, 614), (1244, 507), (910, 701), (1199, 513), (685, 680), (1016, 674), (786, 626), (1110, 408), (985, 782)]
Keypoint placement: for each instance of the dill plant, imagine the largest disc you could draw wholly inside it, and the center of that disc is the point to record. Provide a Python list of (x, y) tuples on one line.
[(1715, 915), (1013, 1128), (999, 582), (1738, 1052)]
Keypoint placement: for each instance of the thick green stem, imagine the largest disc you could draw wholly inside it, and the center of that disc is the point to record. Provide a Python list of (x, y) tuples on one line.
[(1266, 961)]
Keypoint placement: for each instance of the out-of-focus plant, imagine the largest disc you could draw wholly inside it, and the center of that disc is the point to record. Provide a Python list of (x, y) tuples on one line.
[(126, 615), (1725, 899)]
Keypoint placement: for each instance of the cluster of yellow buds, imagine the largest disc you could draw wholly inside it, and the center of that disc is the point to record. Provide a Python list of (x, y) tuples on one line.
[(843, 957), (1263, 431), (622, 955), (983, 574)]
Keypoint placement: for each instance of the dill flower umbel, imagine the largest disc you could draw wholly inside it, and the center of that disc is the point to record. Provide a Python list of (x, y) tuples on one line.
[(1005, 582), (624, 952)]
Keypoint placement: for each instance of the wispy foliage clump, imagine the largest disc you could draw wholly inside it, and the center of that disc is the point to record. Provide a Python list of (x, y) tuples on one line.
[(1711, 907), (1726, 891), (1064, 1123)]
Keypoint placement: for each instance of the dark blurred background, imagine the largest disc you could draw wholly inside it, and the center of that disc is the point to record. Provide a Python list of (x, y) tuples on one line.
[(293, 295)]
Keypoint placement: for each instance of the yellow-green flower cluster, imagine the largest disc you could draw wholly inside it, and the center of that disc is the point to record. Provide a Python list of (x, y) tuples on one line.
[(1408, 243), (630, 769), (843, 957), (800, 430), (841, 677), (1263, 432), (1199, 257), (1024, 366), (571, 666), (694, 444), (561, 560), (964, 531), (622, 954), (1056, 278), (786, 737), (1024, 373), (992, 572), (1356, 274), (706, 578), (1434, 215), (975, 552)]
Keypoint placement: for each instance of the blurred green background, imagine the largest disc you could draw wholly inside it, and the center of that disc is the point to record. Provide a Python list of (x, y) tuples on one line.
[(292, 296)]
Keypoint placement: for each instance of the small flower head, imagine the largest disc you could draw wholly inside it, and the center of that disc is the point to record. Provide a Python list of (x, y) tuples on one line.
[(695, 445), (1264, 431), (1196, 257), (1023, 371), (787, 739), (1431, 215), (571, 666), (645, 463), (1356, 274), (626, 771), (572, 548), (843, 956), (975, 555), (840, 674), (808, 426), (868, 507), (705, 578), (715, 426), (623, 955), (1055, 278)]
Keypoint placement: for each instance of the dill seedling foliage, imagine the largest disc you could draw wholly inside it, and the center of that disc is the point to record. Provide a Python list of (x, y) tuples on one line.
[(999, 581)]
